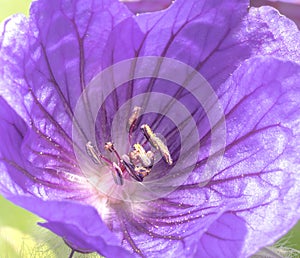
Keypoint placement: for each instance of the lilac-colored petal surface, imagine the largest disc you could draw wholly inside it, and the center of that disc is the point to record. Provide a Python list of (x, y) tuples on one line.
[(204, 34), (189, 31), (14, 45), (272, 34), (262, 32), (167, 225), (45, 62), (224, 238), (260, 165), (289, 8), (22, 175), (73, 35), (50, 58), (11, 180), (79, 225), (142, 6)]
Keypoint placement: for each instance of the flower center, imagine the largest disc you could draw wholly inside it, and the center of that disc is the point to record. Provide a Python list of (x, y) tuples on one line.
[(136, 164)]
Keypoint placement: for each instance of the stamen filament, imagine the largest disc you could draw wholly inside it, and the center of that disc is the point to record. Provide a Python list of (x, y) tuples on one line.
[(94, 154)]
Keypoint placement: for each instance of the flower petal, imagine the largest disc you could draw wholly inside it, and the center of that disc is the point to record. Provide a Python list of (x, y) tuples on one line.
[(79, 225), (10, 159), (270, 33), (44, 177), (141, 6), (45, 62), (289, 8), (200, 35), (224, 238), (14, 44), (262, 32), (189, 31), (261, 143), (260, 164)]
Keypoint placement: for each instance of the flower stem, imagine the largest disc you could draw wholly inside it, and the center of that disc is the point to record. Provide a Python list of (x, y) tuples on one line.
[(72, 253)]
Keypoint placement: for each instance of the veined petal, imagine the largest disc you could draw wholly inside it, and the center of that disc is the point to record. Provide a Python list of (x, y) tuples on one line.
[(45, 62), (260, 164), (14, 45), (204, 34), (72, 35), (11, 179), (79, 225), (46, 176), (189, 31), (224, 238), (260, 101)]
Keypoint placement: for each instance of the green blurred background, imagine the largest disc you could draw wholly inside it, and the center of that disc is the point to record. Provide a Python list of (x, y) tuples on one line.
[(18, 229)]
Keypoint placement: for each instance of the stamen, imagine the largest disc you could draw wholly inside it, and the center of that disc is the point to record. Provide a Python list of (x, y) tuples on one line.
[(130, 168), (138, 163), (142, 156), (94, 154), (117, 174), (132, 121), (157, 143), (150, 156), (111, 148), (142, 171)]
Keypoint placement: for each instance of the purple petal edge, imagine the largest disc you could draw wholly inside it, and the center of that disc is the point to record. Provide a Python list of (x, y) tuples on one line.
[(80, 225)]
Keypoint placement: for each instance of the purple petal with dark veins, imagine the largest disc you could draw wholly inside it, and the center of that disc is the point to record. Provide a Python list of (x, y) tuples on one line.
[(189, 31), (204, 34), (46, 177), (12, 131), (14, 46), (260, 164), (166, 225), (51, 57), (72, 35), (262, 32), (224, 238), (45, 62), (259, 179), (79, 225)]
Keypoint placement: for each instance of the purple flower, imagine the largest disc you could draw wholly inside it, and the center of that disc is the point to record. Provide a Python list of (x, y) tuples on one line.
[(82, 85)]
